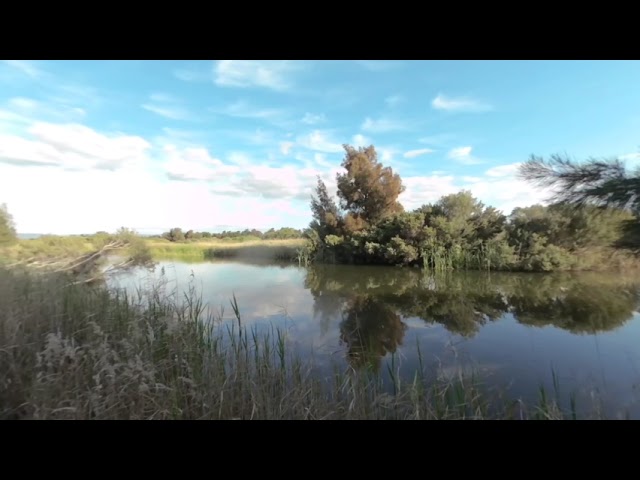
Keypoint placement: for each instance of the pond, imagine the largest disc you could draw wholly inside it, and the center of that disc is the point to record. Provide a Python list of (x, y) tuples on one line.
[(579, 332)]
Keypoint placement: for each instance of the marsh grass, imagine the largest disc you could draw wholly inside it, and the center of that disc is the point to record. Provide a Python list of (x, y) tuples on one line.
[(79, 352), (279, 250)]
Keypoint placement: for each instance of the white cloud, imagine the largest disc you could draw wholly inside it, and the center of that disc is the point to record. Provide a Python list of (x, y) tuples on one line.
[(417, 153), (463, 155), (272, 74), (504, 193), (320, 142), (394, 100), (312, 119), (88, 201), (360, 140), (382, 125), (386, 154), (285, 147), (28, 110), (630, 156), (459, 104), (166, 106), (71, 146), (426, 189), (503, 170)]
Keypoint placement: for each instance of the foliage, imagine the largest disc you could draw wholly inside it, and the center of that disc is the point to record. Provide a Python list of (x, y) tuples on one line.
[(285, 233), (458, 231), (601, 183), (368, 190), (7, 226)]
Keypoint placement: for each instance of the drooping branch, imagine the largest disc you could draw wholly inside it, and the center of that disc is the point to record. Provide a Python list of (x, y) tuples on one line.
[(597, 182)]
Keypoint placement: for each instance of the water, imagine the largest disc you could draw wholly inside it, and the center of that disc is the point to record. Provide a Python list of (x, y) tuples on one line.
[(513, 329)]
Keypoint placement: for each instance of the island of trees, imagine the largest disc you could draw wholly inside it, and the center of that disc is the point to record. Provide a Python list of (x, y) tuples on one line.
[(592, 224)]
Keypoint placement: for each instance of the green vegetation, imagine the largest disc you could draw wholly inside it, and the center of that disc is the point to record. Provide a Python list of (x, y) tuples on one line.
[(600, 183), (278, 250), (74, 351), (89, 258), (7, 226), (286, 233), (457, 232)]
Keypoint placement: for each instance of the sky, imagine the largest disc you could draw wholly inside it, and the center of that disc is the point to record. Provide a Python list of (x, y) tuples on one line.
[(233, 144)]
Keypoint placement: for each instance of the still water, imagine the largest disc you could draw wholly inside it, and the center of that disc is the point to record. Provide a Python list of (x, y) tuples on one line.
[(512, 329)]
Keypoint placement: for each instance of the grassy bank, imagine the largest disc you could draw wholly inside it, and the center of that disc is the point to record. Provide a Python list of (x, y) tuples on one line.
[(284, 250), (79, 352)]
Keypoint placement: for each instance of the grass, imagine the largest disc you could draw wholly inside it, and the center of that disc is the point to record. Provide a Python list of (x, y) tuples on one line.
[(281, 250), (80, 352)]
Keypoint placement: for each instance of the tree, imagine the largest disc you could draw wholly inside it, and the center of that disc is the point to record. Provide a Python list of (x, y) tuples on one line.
[(325, 213), (599, 182), (7, 226), (595, 182), (368, 190), (174, 235)]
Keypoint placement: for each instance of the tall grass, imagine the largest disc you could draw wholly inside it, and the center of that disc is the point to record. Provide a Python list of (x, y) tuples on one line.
[(77, 352), (280, 250)]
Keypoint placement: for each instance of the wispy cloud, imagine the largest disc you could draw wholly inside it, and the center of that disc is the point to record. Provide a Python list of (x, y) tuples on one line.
[(285, 147), (174, 113), (72, 147), (22, 110), (319, 141), (630, 156), (382, 125), (243, 109), (459, 104), (26, 67), (313, 119), (503, 170), (463, 155), (417, 152), (380, 65), (166, 106), (272, 74), (360, 140)]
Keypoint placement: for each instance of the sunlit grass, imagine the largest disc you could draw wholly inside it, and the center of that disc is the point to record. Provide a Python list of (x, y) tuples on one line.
[(210, 249)]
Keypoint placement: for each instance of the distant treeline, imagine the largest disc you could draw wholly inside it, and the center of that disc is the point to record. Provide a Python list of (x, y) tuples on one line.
[(178, 235)]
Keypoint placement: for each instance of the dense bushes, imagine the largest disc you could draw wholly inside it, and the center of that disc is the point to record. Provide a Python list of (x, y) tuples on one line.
[(458, 231)]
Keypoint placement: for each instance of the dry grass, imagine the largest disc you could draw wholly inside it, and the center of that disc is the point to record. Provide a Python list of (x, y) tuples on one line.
[(79, 352)]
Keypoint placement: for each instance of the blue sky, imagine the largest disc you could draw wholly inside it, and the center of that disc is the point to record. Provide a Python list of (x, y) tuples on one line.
[(95, 145)]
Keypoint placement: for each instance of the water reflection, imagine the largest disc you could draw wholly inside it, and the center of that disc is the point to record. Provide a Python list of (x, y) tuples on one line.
[(370, 329), (373, 303)]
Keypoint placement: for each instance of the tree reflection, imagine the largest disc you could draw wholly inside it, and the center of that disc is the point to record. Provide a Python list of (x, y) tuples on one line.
[(373, 302), (370, 328), (581, 309)]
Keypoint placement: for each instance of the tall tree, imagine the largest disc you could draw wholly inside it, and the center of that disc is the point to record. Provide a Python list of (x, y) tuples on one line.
[(7, 226), (368, 190), (326, 216)]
